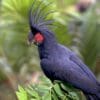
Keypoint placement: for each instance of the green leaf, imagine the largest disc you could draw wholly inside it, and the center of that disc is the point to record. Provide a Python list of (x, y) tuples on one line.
[(53, 95), (47, 96), (73, 96), (68, 87), (32, 93), (57, 89), (21, 94)]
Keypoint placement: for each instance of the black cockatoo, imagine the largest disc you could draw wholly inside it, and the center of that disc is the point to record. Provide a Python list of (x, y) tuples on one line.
[(56, 60)]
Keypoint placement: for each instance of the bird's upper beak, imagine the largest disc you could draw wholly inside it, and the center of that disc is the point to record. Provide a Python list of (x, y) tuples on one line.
[(30, 38)]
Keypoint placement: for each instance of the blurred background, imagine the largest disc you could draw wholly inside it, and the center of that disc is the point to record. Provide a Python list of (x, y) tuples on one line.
[(78, 27)]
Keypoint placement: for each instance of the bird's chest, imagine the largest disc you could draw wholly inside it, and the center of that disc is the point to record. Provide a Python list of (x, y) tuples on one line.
[(52, 65)]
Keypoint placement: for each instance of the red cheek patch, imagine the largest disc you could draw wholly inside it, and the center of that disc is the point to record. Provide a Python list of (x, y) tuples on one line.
[(39, 37)]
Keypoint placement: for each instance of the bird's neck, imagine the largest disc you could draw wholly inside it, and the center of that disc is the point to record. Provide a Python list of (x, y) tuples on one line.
[(48, 46)]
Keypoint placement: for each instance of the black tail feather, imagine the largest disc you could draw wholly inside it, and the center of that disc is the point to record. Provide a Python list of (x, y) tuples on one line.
[(91, 97), (94, 96), (98, 90)]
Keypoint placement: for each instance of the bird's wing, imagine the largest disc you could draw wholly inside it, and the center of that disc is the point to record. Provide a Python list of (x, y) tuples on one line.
[(80, 64), (74, 71), (76, 60), (76, 77)]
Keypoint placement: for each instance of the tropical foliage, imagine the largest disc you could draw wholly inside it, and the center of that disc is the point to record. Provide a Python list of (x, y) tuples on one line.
[(46, 90)]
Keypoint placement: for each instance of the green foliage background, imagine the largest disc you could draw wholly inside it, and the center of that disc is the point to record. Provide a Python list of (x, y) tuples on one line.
[(79, 31)]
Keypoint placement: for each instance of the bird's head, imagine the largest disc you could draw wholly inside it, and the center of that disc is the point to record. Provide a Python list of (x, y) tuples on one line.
[(37, 39), (38, 22)]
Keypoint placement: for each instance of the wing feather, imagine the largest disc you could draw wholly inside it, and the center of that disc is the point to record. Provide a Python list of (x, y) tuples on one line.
[(79, 63)]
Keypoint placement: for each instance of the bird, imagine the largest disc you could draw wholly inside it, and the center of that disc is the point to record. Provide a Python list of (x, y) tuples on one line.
[(57, 61)]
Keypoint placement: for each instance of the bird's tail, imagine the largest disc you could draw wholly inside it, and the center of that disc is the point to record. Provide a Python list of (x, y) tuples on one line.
[(94, 96)]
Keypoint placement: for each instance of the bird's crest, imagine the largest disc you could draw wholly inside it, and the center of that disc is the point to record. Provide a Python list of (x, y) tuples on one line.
[(38, 16)]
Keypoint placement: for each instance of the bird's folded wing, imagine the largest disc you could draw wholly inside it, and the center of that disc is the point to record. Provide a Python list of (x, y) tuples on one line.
[(76, 78), (79, 63)]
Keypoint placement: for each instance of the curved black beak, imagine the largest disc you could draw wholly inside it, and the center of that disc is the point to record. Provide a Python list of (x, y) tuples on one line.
[(30, 38)]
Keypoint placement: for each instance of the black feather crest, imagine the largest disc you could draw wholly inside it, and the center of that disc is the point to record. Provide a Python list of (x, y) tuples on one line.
[(38, 16)]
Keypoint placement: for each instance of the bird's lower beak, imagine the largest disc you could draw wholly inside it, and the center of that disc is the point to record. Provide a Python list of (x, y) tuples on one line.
[(30, 42)]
